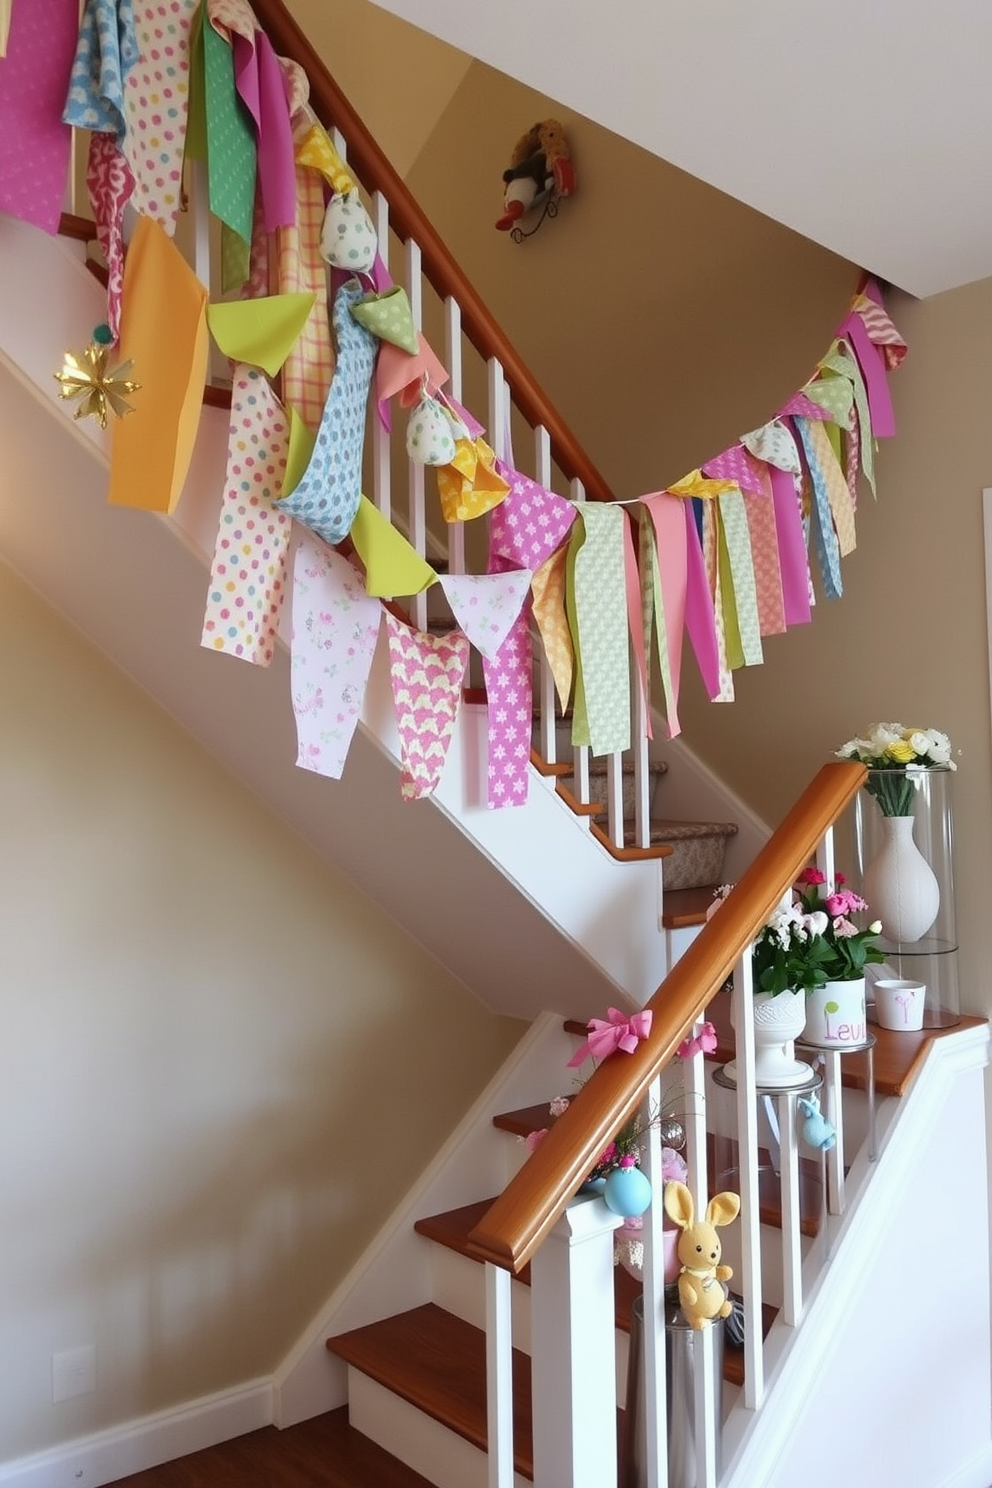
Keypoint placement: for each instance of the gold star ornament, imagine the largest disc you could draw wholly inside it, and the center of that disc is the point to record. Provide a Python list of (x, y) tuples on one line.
[(100, 387)]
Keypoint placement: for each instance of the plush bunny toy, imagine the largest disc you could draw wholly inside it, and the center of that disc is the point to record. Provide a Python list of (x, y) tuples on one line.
[(700, 1294)]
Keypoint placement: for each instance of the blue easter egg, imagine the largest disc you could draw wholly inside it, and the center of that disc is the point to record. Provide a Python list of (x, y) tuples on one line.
[(627, 1192)]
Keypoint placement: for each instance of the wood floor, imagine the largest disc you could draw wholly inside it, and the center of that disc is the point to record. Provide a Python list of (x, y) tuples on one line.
[(322, 1453)]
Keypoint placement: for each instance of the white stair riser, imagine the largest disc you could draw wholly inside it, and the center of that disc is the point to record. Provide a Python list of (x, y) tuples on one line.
[(440, 1455)]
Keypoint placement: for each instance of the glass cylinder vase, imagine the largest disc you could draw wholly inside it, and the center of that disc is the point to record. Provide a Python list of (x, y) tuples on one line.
[(904, 841)]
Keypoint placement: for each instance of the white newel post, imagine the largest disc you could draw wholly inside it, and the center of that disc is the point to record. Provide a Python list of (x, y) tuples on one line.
[(573, 1351)]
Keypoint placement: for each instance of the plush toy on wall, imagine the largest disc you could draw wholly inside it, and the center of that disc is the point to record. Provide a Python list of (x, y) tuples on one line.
[(540, 168), (701, 1295)]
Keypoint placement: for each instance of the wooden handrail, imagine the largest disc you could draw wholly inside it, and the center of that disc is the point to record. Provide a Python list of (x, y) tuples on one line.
[(408, 220), (516, 1223)]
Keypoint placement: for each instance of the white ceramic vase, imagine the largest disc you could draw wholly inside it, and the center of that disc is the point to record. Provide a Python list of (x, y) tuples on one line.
[(899, 884), (835, 1015)]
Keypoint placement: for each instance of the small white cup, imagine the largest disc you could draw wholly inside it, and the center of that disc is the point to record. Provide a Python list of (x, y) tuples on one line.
[(899, 1005)]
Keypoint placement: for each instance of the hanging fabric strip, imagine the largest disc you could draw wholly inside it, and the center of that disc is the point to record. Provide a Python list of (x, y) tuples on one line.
[(106, 50), (399, 375), (110, 185), (860, 442), (635, 618), (263, 89), (600, 634), (164, 333), (760, 513), (548, 591), (335, 630), (316, 150), (309, 367), (793, 562), (248, 573), (427, 673), (883, 333), (721, 607), (156, 100), (671, 567), (4, 26), (872, 365), (327, 497), (700, 620), (531, 524), (232, 154), (34, 81), (825, 537), (485, 606), (824, 467), (737, 539), (509, 689)]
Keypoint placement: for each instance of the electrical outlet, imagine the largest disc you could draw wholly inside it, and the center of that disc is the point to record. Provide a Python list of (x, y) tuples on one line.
[(73, 1373)]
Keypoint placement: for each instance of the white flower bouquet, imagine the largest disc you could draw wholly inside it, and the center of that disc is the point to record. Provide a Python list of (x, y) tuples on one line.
[(898, 757)]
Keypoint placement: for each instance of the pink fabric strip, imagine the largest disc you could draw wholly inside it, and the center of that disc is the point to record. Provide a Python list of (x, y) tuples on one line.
[(793, 562), (699, 619), (34, 82), (510, 694), (883, 421), (635, 615), (110, 185), (262, 89), (672, 541), (760, 512)]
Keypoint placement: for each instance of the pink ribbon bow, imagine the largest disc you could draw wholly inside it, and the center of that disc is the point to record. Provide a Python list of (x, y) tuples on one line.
[(704, 1042), (617, 1031)]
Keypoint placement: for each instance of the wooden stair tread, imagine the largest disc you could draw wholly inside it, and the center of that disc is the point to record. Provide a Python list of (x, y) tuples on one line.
[(684, 908), (437, 1362)]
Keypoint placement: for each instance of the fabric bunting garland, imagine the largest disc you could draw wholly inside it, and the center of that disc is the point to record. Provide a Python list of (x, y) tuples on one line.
[(719, 557)]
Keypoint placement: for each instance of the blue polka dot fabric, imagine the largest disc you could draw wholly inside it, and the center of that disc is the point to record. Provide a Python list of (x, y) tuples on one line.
[(105, 53), (328, 495)]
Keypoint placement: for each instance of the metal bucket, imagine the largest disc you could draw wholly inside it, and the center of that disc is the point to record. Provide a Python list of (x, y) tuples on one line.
[(684, 1347)]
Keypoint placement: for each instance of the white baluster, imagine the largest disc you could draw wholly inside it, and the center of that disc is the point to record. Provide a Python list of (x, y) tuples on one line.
[(496, 383), (642, 762), (381, 465), (574, 1351), (792, 1259), (499, 1376), (546, 683), (707, 1389), (655, 1422), (833, 1109), (580, 755), (453, 353), (747, 1140), (418, 518), (614, 797)]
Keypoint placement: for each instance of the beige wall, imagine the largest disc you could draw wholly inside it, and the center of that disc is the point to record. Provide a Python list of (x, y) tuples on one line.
[(216, 1078)]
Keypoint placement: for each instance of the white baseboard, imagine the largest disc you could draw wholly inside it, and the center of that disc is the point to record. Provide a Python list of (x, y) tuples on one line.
[(108, 1455)]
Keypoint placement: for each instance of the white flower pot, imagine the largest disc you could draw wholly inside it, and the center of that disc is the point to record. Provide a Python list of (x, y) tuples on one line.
[(778, 1022), (899, 884), (835, 1015)]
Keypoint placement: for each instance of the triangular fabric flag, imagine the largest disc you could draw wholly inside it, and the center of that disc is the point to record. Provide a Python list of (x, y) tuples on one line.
[(154, 144), (668, 521), (696, 484), (327, 497), (335, 630), (34, 81), (248, 578), (881, 330), (110, 185), (600, 630), (510, 695), (531, 524), (486, 605), (774, 445), (793, 560), (259, 332), (106, 50), (548, 592), (469, 486), (760, 513), (724, 599), (403, 376), (635, 618), (427, 673), (835, 395), (316, 150), (739, 466), (232, 156), (164, 333), (737, 538), (392, 565), (802, 406), (700, 621)]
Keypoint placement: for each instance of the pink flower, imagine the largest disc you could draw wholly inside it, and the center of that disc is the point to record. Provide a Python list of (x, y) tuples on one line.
[(534, 1139), (844, 902), (843, 928), (812, 876), (840, 878), (607, 1155)]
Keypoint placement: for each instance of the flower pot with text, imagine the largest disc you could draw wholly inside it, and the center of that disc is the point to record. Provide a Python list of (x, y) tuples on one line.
[(835, 1015)]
